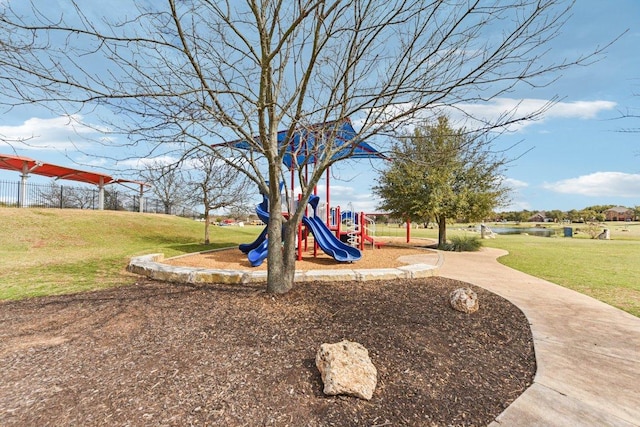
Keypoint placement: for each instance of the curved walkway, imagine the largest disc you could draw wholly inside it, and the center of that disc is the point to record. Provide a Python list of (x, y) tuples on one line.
[(587, 352)]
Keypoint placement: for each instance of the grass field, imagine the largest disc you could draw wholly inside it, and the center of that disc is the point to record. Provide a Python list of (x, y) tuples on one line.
[(608, 270), (48, 251)]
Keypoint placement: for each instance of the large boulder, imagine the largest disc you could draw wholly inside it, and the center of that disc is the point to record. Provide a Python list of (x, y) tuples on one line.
[(346, 368), (464, 300)]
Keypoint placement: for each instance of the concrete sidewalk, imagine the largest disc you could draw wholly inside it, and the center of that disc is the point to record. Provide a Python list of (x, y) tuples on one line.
[(587, 352)]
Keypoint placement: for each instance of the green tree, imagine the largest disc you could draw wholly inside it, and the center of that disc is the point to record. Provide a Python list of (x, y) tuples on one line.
[(574, 215), (523, 216), (556, 214), (439, 174)]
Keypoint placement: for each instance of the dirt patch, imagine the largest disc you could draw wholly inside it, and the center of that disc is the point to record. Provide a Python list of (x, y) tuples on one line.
[(162, 354)]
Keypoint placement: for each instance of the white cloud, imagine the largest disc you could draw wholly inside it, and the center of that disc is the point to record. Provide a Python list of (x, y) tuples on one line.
[(144, 162), (599, 184), (500, 110), (516, 206), (59, 133), (580, 109), (512, 107), (515, 203), (515, 184)]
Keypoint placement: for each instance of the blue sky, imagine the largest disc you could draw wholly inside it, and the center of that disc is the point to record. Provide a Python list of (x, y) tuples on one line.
[(575, 156)]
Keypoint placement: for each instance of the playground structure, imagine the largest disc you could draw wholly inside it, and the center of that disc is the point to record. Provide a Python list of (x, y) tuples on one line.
[(343, 245), (302, 150)]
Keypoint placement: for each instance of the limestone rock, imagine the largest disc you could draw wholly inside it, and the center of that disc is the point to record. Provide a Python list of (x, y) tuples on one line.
[(346, 368), (464, 300)]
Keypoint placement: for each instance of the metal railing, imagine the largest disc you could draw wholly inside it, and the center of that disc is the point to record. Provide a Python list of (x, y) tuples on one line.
[(75, 197)]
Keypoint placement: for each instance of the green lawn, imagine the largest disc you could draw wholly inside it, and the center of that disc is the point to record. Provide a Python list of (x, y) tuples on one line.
[(608, 270), (49, 251)]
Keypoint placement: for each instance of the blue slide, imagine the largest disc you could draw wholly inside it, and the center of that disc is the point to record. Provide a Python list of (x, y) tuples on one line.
[(248, 247), (327, 241), (257, 251), (259, 254)]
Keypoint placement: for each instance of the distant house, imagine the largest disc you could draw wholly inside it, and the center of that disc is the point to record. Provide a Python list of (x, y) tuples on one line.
[(539, 217), (619, 213)]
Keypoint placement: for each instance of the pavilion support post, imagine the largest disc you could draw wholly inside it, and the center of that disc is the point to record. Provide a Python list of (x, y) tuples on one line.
[(22, 196), (141, 208), (101, 194)]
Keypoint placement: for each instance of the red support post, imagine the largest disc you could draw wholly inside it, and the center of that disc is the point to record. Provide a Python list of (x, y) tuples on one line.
[(361, 232), (299, 225), (328, 201), (408, 230)]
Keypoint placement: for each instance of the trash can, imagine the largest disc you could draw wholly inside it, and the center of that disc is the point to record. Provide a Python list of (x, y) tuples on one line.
[(568, 232)]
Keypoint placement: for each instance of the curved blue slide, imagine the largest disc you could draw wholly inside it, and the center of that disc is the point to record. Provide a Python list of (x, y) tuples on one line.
[(248, 247), (259, 254), (327, 241), (257, 251)]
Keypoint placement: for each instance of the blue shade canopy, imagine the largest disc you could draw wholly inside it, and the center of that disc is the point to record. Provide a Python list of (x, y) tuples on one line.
[(308, 144)]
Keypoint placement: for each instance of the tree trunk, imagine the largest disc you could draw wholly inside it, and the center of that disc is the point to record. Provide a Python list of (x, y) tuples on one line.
[(280, 263), (206, 226), (442, 231)]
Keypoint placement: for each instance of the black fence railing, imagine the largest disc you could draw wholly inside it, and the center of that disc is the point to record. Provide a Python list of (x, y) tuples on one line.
[(13, 194)]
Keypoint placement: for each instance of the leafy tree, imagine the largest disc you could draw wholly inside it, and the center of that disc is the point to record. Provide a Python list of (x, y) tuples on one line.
[(556, 215), (574, 215), (181, 74), (523, 216), (440, 173), (587, 215), (599, 208)]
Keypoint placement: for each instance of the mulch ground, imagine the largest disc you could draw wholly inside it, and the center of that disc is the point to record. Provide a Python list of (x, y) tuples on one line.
[(162, 354)]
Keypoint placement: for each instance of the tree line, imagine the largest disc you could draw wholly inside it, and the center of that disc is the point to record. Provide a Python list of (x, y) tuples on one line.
[(587, 214)]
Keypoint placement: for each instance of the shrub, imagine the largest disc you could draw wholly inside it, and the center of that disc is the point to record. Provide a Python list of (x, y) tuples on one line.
[(463, 244), (592, 229)]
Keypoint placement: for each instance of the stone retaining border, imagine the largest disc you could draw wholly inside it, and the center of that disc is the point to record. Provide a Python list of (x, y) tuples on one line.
[(152, 267)]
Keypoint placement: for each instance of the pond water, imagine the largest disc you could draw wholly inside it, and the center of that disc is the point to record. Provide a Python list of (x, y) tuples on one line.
[(534, 231)]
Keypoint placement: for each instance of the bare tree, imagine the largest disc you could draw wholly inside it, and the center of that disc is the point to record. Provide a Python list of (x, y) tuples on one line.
[(83, 197), (216, 185), (189, 73), (56, 195), (168, 183)]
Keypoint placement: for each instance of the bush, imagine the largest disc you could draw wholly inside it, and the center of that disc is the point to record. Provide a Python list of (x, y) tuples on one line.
[(463, 244), (592, 229)]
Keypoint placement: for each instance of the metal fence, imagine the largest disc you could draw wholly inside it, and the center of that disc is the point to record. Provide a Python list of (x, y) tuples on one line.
[(69, 197)]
